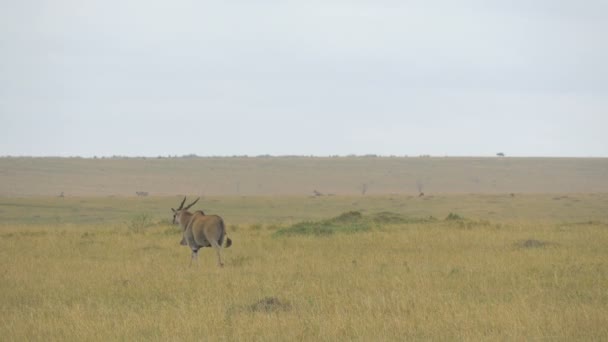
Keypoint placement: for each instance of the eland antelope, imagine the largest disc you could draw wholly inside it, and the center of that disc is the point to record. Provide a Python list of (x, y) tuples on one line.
[(200, 230)]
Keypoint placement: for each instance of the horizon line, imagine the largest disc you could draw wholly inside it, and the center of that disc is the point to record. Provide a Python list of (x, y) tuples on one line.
[(367, 155)]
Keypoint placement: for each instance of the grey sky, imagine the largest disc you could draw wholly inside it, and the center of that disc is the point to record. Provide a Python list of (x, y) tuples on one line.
[(526, 78)]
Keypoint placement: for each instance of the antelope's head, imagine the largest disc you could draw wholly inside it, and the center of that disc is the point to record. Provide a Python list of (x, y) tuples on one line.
[(177, 213)]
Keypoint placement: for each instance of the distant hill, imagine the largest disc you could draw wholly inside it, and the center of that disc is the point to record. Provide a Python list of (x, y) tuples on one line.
[(299, 176)]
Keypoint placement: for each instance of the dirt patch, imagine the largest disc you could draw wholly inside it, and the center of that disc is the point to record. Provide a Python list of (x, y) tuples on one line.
[(532, 243), (270, 304)]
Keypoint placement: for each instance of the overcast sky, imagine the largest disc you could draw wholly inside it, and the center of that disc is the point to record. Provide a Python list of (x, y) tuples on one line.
[(527, 78)]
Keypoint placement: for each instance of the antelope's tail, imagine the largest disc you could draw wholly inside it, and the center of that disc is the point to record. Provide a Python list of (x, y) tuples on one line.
[(228, 241)]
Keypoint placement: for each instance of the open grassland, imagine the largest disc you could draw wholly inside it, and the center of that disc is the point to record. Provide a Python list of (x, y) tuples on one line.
[(459, 267), (299, 176)]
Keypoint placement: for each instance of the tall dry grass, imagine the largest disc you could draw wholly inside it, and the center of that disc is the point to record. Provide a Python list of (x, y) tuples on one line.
[(461, 279)]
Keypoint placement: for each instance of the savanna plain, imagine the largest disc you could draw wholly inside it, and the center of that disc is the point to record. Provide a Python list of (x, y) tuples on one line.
[(362, 263)]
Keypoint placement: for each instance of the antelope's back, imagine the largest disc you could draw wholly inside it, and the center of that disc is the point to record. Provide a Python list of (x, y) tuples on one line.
[(207, 227)]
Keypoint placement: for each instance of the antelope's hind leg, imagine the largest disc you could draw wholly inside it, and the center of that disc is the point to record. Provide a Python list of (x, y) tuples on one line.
[(194, 256), (217, 248)]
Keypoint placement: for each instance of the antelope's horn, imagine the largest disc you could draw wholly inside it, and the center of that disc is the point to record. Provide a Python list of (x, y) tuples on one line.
[(182, 205), (191, 204)]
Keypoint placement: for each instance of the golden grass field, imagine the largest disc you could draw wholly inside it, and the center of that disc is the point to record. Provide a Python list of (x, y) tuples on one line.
[(502, 266)]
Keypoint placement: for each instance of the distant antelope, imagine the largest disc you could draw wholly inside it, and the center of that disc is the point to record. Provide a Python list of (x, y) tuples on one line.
[(200, 230)]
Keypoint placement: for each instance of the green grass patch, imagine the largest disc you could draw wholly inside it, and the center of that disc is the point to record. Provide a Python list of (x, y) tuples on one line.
[(348, 222), (387, 217)]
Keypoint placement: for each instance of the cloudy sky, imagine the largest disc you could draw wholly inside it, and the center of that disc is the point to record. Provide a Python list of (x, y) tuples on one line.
[(80, 77)]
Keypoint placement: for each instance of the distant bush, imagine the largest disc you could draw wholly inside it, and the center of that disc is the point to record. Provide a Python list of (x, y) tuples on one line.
[(454, 217)]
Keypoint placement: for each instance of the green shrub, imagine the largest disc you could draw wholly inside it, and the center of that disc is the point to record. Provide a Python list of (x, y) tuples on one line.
[(139, 223), (454, 217)]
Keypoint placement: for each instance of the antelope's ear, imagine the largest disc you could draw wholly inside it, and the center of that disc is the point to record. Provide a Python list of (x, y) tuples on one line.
[(173, 209)]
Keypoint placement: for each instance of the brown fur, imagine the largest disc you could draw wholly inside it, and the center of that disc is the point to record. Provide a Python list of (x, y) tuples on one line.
[(200, 230)]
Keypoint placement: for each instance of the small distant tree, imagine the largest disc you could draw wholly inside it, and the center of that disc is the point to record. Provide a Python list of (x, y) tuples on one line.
[(500, 154), (420, 187)]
